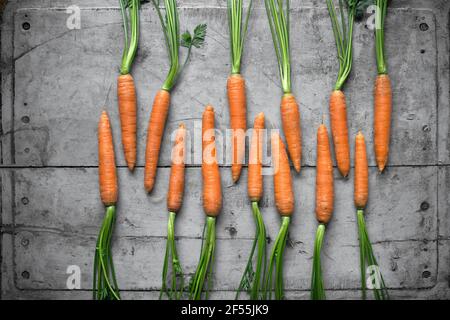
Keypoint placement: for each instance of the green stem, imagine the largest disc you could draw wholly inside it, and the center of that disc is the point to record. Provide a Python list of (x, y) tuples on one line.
[(380, 14), (317, 288), (237, 31), (253, 281), (276, 262), (104, 283), (205, 264), (278, 16), (176, 291), (170, 24), (343, 34), (367, 258), (130, 47)]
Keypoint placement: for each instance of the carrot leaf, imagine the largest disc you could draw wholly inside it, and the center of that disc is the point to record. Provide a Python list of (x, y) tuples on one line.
[(130, 16), (238, 31), (278, 15), (342, 26), (380, 15)]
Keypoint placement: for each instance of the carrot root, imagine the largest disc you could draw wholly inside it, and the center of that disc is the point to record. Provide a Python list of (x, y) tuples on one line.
[(255, 178), (155, 133), (238, 121), (126, 93), (106, 162), (382, 119), (324, 177), (282, 180), (339, 130), (212, 190), (176, 182), (361, 183), (290, 117)]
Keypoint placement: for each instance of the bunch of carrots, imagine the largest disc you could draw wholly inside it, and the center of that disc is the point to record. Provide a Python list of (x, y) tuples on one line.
[(262, 277)]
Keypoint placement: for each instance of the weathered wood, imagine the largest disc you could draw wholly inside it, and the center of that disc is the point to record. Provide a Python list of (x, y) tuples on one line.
[(67, 201), (42, 259), (67, 76), (60, 79)]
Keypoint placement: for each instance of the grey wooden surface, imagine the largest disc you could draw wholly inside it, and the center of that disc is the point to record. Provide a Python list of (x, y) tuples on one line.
[(55, 81)]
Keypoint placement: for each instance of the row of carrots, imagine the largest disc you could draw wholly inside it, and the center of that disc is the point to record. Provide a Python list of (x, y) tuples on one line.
[(262, 277)]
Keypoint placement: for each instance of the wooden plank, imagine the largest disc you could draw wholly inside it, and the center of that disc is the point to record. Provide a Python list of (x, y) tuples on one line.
[(42, 259), (67, 201), (79, 67)]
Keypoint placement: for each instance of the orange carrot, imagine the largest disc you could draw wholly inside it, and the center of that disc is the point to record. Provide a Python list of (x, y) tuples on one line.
[(339, 131), (290, 117), (126, 92), (255, 179), (176, 182), (106, 162), (212, 190), (382, 119), (238, 121), (282, 180), (361, 192), (324, 177), (155, 133)]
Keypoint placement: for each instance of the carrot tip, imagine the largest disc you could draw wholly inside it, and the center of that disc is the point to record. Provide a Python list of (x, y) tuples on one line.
[(131, 166), (209, 108), (149, 187), (297, 167)]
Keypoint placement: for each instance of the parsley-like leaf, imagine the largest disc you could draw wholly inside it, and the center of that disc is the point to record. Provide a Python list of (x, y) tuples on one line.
[(199, 35), (187, 40)]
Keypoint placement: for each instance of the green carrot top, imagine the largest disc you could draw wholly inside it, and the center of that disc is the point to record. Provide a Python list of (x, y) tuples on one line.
[(278, 15), (130, 17), (380, 14), (237, 31), (171, 28), (343, 34)]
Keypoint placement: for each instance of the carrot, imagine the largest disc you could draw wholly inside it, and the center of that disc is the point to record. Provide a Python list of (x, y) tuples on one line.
[(382, 92), (174, 201), (104, 279), (170, 24), (361, 188), (238, 121), (255, 179), (212, 191), (338, 117), (238, 25), (361, 193), (126, 92), (284, 201), (382, 119), (282, 181), (253, 278), (155, 133), (278, 16), (324, 207), (176, 182), (212, 204), (343, 34), (324, 177), (290, 117), (106, 162)]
